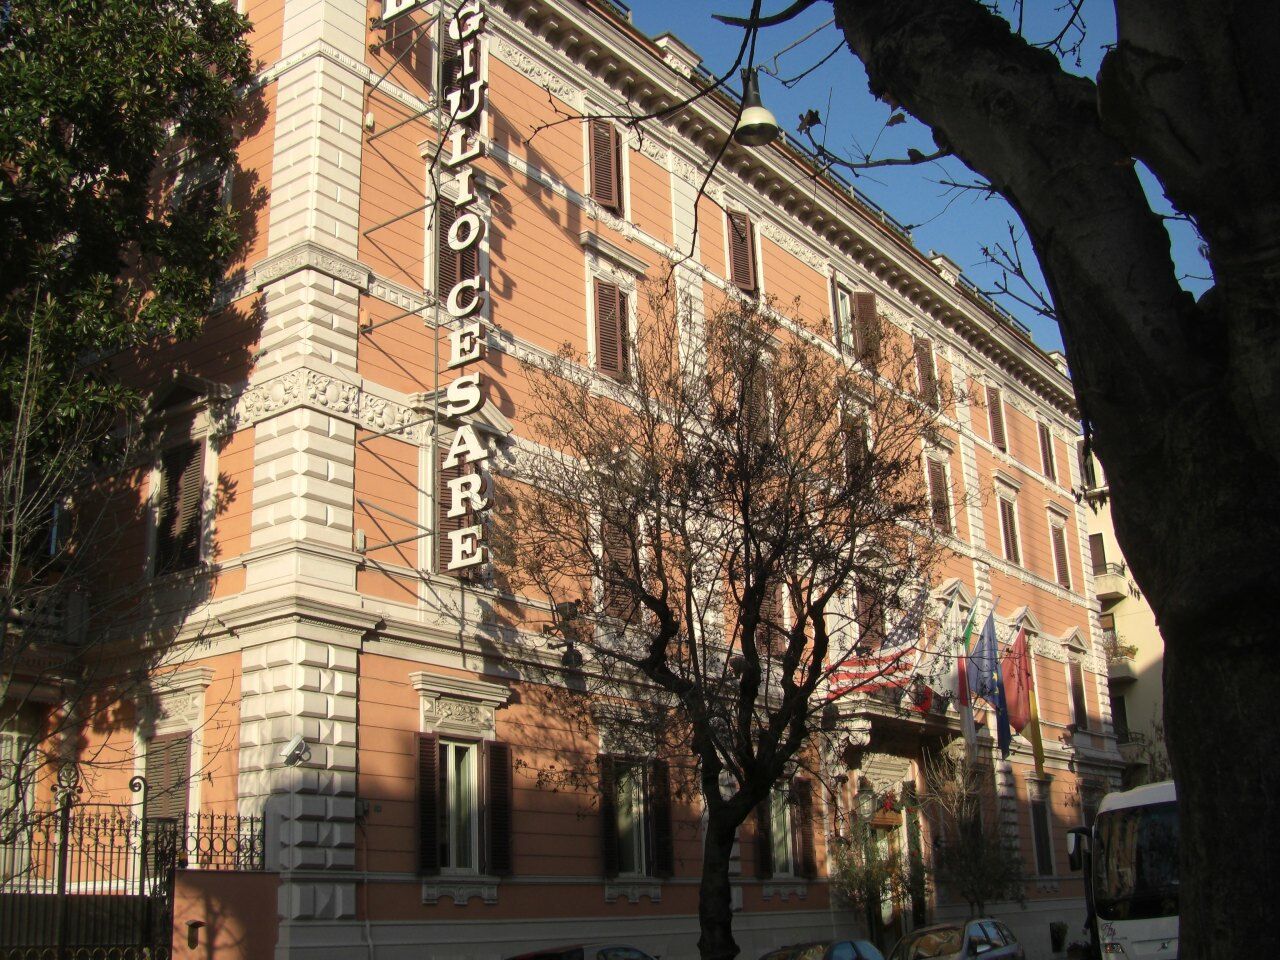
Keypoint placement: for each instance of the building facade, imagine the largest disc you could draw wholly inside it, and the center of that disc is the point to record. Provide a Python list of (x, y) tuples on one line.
[(426, 208), (1131, 639)]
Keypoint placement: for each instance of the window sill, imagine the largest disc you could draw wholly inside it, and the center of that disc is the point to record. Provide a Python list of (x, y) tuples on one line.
[(461, 889), (633, 890)]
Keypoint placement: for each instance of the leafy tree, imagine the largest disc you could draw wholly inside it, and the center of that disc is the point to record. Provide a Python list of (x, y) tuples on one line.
[(1177, 395), (116, 134), (970, 858), (866, 875), (705, 521)]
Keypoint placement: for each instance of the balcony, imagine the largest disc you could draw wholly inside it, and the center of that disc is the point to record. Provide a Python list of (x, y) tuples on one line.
[(1110, 581)]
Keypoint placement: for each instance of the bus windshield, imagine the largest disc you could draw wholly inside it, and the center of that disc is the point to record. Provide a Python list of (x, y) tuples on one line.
[(1136, 863)]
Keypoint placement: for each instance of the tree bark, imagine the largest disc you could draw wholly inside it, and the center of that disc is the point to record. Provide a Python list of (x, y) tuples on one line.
[(715, 893), (1181, 396)]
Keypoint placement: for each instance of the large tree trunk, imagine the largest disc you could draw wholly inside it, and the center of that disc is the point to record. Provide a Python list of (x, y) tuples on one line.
[(1182, 397), (715, 894)]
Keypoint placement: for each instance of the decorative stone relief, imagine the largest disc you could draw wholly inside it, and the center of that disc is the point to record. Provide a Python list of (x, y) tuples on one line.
[(788, 242), (785, 890), (310, 388), (178, 700), (459, 707), (461, 890), (310, 256), (539, 73), (685, 170), (633, 890), (655, 151)]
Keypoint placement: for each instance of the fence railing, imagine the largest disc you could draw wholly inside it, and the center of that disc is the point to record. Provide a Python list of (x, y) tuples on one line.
[(222, 841)]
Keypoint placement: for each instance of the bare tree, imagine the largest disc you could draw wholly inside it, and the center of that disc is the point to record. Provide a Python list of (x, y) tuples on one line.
[(969, 855), (707, 513)]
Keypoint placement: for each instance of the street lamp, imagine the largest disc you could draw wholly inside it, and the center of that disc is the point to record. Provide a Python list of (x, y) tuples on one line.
[(756, 126)]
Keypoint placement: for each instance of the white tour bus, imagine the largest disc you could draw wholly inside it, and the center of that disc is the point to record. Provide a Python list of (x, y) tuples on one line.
[(1130, 858)]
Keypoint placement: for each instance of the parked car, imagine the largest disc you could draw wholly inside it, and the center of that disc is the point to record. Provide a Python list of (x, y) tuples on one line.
[(985, 937), (590, 951), (827, 950)]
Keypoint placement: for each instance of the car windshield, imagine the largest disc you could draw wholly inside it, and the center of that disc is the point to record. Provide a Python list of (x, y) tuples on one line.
[(939, 942), (1135, 864)]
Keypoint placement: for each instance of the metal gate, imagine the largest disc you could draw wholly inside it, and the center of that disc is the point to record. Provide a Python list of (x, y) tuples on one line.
[(87, 881)]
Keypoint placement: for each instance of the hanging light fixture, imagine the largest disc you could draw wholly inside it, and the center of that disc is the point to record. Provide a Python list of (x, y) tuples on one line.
[(756, 126)]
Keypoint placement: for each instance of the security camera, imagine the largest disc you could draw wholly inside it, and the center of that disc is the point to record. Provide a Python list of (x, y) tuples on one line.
[(295, 752)]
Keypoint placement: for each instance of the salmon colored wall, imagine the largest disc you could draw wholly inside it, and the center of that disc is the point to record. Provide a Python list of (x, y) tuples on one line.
[(251, 185), (267, 17), (234, 496), (220, 766), (650, 197), (387, 482), (237, 911), (801, 291), (393, 178), (517, 108)]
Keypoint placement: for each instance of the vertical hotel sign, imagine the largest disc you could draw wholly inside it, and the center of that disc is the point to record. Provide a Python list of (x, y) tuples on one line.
[(467, 493)]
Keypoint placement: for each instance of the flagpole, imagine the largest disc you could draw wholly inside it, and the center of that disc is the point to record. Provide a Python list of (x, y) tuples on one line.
[(1037, 745)]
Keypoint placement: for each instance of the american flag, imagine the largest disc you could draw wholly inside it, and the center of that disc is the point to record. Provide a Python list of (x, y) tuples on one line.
[(892, 665)]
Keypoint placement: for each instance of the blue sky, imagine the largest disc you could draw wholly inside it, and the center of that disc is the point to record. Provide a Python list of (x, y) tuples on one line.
[(956, 223)]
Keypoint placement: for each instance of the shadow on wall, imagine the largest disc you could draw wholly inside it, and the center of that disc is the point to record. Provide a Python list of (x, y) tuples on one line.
[(231, 916)]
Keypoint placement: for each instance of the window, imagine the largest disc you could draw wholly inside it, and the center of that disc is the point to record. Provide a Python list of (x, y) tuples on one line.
[(784, 832), (742, 253), (1046, 453), (461, 84), (842, 316), (464, 818), (1040, 834), (926, 372), (178, 507), (866, 327), (1119, 716), (635, 816), (611, 329), (605, 147), (168, 772), (995, 417), (458, 547), (781, 842), (1009, 529), (939, 499), (1098, 553), (453, 265), (1079, 707), (870, 618), (1061, 566), (857, 443), (617, 566)]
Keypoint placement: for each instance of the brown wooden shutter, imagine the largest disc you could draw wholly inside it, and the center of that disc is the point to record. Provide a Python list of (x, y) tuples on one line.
[(1079, 709), (838, 331), (178, 520), (448, 263), (609, 814), (866, 326), (742, 260), (606, 166), (662, 848), (764, 840), (450, 71), (802, 796), (611, 329), (995, 413), (499, 809), (855, 444), (445, 523), (428, 804), (870, 617), (938, 499), (1061, 566), (1009, 530), (1046, 453), (167, 769), (617, 561), (925, 371)]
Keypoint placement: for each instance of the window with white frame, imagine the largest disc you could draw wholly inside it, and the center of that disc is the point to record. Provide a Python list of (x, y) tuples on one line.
[(1079, 701), (1041, 834), (939, 490), (635, 817), (1008, 506), (458, 807), (605, 156), (631, 819), (781, 833), (1058, 543), (181, 480), (995, 418), (842, 316)]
